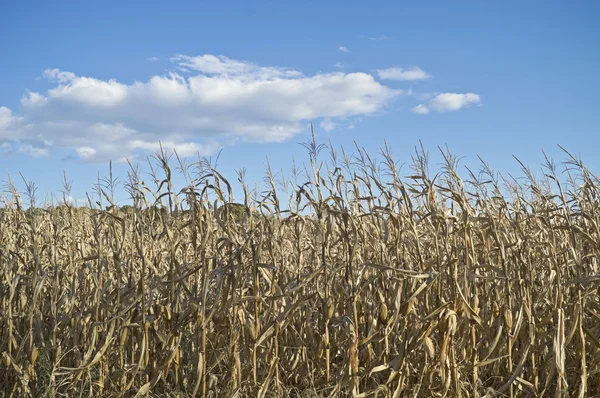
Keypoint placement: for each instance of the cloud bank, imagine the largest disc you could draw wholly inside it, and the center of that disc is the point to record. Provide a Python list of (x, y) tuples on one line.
[(202, 104)]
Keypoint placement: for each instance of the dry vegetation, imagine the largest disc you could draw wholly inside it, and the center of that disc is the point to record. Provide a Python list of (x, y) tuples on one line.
[(347, 279)]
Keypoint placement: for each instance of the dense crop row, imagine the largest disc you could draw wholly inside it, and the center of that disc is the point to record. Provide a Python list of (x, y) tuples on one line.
[(345, 279)]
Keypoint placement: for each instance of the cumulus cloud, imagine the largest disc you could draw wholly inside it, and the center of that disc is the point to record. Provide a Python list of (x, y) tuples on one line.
[(447, 102), (344, 49), (6, 118), (8, 123), (412, 73), (209, 100), (33, 99)]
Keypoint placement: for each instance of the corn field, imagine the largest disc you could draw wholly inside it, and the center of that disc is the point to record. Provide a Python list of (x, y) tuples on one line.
[(345, 277)]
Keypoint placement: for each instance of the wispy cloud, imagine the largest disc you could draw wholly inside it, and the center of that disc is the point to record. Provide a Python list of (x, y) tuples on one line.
[(412, 73), (327, 124), (378, 38), (339, 65), (152, 59), (218, 100), (421, 109), (36, 152), (220, 65), (6, 148), (344, 49), (447, 102), (422, 96)]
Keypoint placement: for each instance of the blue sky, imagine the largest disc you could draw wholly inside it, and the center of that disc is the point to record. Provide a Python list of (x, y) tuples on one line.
[(84, 82)]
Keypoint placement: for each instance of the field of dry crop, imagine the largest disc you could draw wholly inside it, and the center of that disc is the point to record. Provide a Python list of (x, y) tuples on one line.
[(346, 278)]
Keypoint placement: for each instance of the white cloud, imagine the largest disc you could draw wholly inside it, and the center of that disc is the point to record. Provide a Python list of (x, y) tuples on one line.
[(36, 152), (339, 65), (58, 75), (86, 90), (420, 109), (6, 118), (344, 49), (327, 124), (412, 73), (217, 100), (221, 65), (32, 99), (447, 102), (8, 122), (85, 152), (152, 59)]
